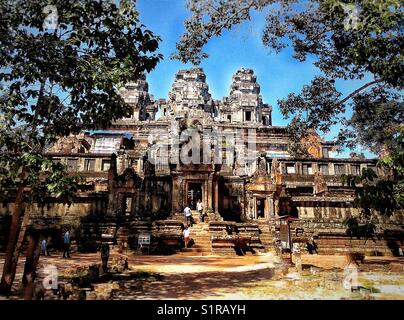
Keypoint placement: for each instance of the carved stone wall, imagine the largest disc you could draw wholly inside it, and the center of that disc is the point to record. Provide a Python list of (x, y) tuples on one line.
[(137, 95), (190, 91)]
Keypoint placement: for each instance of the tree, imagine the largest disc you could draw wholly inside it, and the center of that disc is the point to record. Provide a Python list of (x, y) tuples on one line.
[(375, 193), (349, 40), (61, 63)]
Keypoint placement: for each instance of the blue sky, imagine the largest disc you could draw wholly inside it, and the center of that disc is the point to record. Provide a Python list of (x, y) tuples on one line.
[(278, 74)]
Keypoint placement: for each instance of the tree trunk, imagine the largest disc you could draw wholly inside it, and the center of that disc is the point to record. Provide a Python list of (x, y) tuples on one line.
[(31, 262), (9, 267)]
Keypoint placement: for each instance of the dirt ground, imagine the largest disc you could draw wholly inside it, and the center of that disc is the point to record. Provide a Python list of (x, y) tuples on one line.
[(248, 277)]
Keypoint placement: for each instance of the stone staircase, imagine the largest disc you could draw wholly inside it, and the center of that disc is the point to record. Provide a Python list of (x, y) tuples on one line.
[(338, 246), (266, 234), (200, 243), (195, 215)]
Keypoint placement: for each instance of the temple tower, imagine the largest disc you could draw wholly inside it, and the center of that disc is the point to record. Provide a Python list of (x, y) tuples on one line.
[(137, 95), (190, 91), (244, 103)]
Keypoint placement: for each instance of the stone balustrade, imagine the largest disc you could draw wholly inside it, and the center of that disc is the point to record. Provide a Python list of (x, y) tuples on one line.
[(229, 238)]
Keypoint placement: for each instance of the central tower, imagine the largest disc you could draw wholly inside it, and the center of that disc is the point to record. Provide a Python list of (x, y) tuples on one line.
[(190, 91)]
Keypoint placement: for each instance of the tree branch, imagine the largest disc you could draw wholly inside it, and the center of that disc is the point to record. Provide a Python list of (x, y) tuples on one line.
[(351, 95)]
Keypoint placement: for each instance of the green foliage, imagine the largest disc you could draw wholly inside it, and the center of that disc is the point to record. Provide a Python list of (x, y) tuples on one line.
[(374, 127), (55, 82), (373, 193), (345, 45), (383, 193), (355, 229), (346, 39)]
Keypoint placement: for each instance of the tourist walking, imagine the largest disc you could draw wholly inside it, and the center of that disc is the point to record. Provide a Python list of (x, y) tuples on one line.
[(44, 248), (186, 235), (66, 244), (199, 207), (188, 215)]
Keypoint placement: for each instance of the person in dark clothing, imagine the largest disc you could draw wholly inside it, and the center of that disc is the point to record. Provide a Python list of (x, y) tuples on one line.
[(104, 256), (311, 246), (66, 244), (44, 248)]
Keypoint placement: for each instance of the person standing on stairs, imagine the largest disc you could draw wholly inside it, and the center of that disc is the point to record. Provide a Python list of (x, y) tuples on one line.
[(188, 215), (186, 235), (199, 207)]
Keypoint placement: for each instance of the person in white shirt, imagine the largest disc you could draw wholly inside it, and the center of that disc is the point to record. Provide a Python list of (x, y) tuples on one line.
[(199, 207), (188, 215), (186, 235)]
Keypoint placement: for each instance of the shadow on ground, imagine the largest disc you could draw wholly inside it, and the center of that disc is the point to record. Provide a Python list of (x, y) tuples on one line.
[(196, 286)]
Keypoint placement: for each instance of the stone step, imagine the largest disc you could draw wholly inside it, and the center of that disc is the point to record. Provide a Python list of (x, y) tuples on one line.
[(199, 247), (199, 236), (201, 244), (195, 250), (190, 254), (201, 239)]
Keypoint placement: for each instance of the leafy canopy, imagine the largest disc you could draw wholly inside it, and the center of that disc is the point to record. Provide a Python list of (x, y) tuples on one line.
[(61, 63), (348, 39)]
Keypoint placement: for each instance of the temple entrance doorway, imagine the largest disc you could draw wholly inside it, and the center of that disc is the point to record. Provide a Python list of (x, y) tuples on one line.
[(260, 208), (194, 194)]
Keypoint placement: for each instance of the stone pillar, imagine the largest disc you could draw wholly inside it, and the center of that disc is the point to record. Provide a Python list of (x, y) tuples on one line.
[(242, 200), (216, 196), (183, 196), (176, 194), (205, 194), (209, 193), (266, 208), (271, 207), (276, 207), (137, 203), (254, 213)]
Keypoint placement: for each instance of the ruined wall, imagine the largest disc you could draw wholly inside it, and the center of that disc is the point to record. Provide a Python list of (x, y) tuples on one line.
[(54, 218), (230, 238), (331, 210), (166, 236), (330, 236), (231, 198)]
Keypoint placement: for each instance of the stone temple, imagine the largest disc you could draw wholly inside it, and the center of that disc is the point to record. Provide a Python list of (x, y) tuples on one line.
[(143, 171)]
